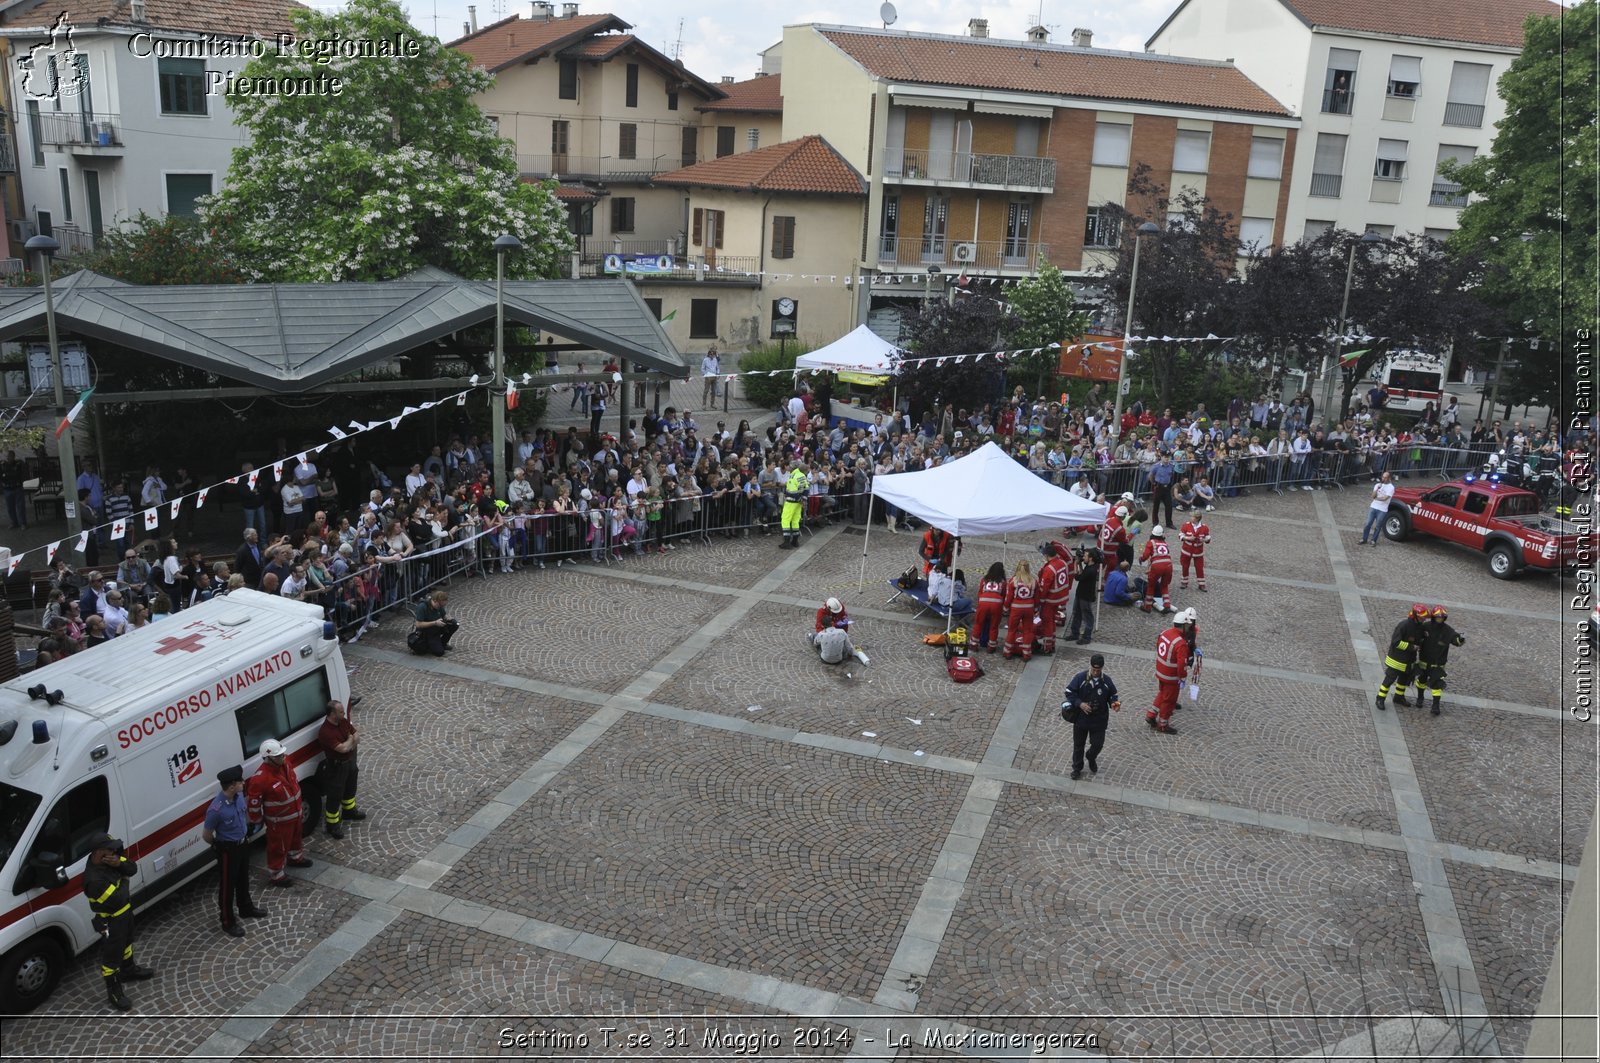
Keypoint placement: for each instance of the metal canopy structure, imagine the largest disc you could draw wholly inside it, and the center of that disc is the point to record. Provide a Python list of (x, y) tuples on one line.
[(287, 338)]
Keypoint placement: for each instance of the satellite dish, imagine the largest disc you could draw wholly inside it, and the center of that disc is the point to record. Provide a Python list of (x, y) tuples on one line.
[(887, 13)]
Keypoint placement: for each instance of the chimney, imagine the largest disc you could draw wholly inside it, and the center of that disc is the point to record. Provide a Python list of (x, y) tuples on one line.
[(569, 10), (978, 27), (136, 10), (1038, 35), (1081, 38), (466, 29), (542, 10), (727, 79), (472, 17)]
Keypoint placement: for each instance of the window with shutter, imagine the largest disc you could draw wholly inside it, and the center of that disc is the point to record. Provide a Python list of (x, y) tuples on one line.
[(1405, 74), (1469, 87), (724, 141), (1111, 144), (630, 96), (699, 218), (622, 214), (1266, 158), (567, 89), (628, 141), (1327, 166), (783, 237), (1255, 235), (1390, 164), (1339, 84)]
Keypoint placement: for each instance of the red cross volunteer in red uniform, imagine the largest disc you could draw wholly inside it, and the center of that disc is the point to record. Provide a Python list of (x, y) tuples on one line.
[(1112, 535), (1195, 535), (1172, 666), (1020, 603), (1159, 557), (273, 795), (1054, 589), (991, 608)]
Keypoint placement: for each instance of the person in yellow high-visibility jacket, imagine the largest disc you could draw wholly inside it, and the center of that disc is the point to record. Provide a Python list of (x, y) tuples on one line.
[(795, 490)]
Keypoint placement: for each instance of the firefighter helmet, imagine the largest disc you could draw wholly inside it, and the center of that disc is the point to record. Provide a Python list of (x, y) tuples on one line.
[(1419, 612), (1440, 613)]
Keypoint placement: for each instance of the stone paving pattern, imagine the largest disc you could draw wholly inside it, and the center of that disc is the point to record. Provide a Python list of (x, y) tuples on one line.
[(1089, 908), (1513, 922), (797, 863), (456, 991), (782, 863), (1252, 741)]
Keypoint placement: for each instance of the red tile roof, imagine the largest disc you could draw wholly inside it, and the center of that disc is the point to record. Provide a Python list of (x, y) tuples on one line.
[(513, 40), (1056, 70), (759, 95), (1496, 22), (576, 194), (806, 165), (250, 18), (600, 48)]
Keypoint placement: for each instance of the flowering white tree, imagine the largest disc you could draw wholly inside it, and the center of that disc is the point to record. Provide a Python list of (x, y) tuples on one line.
[(398, 170)]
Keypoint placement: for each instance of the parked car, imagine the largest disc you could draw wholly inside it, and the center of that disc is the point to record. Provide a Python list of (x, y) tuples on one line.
[(1498, 520)]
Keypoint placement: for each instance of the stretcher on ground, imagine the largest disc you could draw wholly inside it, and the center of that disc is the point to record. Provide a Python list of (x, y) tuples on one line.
[(960, 609)]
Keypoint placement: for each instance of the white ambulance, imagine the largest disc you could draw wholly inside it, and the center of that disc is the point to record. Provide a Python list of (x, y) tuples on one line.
[(128, 738)]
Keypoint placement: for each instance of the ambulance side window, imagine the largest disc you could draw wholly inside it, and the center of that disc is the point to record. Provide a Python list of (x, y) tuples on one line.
[(283, 712), (74, 821)]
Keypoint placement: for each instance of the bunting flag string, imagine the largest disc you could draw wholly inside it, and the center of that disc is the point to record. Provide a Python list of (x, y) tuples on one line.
[(152, 516)]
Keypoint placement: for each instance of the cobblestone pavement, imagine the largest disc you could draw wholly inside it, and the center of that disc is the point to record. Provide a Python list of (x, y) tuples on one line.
[(630, 792)]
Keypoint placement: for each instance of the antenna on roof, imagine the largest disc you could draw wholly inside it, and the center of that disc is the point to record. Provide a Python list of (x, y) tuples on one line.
[(888, 14), (677, 48)]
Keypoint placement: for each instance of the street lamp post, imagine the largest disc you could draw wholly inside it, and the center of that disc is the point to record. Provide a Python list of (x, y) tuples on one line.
[(497, 402), (1147, 229), (47, 247), (1368, 238), (927, 285)]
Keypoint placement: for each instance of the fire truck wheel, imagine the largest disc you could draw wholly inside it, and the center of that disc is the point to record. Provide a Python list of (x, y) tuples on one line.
[(1502, 565), (29, 972), (1397, 525)]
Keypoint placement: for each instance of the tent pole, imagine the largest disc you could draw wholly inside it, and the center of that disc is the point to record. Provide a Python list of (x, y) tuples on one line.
[(866, 542)]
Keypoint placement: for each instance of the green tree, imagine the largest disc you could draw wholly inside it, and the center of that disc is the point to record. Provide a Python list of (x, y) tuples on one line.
[(400, 169), (1532, 218), (971, 325), (176, 249), (1043, 311)]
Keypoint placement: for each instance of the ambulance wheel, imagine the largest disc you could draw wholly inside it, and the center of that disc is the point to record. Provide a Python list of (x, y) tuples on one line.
[(1397, 525), (29, 972)]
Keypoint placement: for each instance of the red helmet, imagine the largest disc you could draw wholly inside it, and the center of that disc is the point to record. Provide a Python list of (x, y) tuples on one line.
[(1440, 613), (1419, 612)]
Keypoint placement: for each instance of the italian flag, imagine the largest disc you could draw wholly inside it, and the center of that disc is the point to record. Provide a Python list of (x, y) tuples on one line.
[(1349, 358), (72, 414)]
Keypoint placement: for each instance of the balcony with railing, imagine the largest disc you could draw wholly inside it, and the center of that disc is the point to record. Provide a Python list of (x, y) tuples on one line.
[(8, 153), (1446, 194), (82, 133), (1337, 101), (73, 240), (1327, 185), (1468, 115), (709, 267), (1017, 173), (572, 167), (976, 256)]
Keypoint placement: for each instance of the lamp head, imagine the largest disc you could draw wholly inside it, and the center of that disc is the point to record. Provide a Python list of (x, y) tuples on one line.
[(1149, 228), (507, 242), (1370, 237), (46, 244)]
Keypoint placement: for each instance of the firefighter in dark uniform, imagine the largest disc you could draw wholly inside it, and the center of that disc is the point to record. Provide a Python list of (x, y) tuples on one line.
[(1091, 698), (1433, 655), (1402, 655), (105, 884)]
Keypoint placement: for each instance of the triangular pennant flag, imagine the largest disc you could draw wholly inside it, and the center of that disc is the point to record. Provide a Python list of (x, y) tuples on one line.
[(234, 481), (83, 542), (357, 426), (15, 561), (407, 411), (430, 404), (50, 552), (177, 505), (394, 422), (336, 432), (119, 528), (319, 449), (152, 518), (461, 399), (670, 315), (277, 470), (200, 499), (300, 459), (253, 474), (960, 359), (511, 395)]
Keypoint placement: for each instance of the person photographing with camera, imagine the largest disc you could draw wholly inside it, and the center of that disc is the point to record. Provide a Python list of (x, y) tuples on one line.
[(434, 628), (1091, 698)]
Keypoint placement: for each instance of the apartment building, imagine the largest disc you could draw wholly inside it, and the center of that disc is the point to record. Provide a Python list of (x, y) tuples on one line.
[(771, 232), (1386, 93), (748, 116), (988, 157), (107, 127), (588, 103)]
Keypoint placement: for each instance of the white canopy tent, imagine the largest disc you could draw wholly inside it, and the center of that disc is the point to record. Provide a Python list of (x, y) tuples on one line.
[(985, 493), (860, 351)]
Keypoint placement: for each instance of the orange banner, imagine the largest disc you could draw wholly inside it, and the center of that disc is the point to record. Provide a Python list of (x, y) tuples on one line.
[(1093, 356)]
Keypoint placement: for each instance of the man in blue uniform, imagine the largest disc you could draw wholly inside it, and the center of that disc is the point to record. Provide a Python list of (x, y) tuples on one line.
[(1091, 698)]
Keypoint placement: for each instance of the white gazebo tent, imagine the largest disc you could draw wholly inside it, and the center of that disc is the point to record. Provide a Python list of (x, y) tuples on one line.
[(858, 351), (985, 493)]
